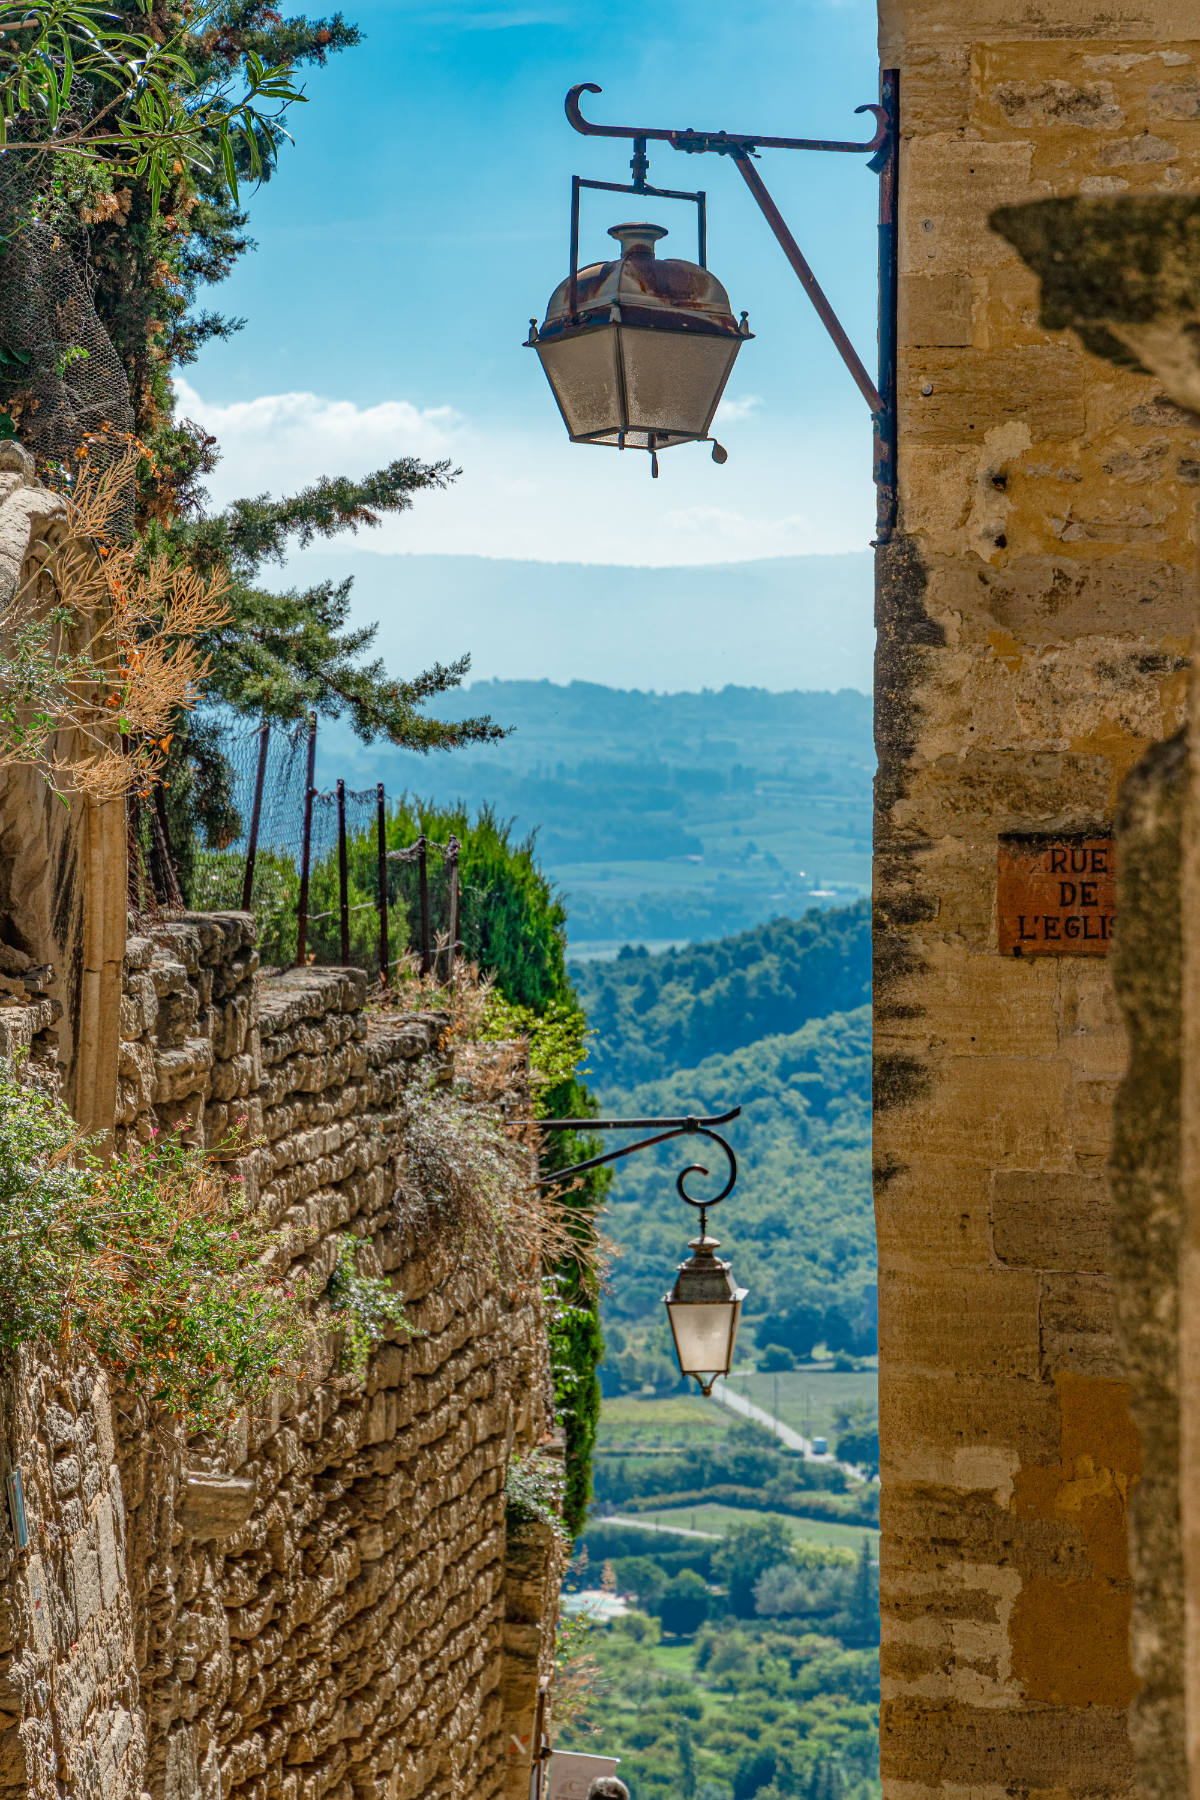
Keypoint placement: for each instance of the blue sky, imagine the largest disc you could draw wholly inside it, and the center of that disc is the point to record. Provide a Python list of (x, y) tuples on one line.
[(422, 218)]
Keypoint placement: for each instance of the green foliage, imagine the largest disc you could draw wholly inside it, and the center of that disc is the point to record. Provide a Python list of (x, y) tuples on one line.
[(861, 1447), (684, 1604), (533, 1489), (77, 81), (558, 1039), (604, 1541), (652, 1013), (746, 1554), (366, 1307), (512, 924), (858, 1508), (767, 1709), (215, 885), (148, 1261), (750, 1457), (844, 1600), (576, 1347)]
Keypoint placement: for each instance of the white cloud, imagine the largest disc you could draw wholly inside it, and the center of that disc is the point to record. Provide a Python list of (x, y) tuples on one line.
[(733, 412), (296, 436), (526, 493)]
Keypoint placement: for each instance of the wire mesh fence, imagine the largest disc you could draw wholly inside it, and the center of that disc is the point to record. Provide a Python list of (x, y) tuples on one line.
[(333, 876), (62, 383)]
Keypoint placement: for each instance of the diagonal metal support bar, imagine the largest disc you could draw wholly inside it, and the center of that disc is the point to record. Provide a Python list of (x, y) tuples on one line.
[(808, 280)]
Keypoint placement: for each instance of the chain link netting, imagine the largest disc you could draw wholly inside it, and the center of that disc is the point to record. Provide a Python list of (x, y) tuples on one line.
[(62, 383), (215, 880)]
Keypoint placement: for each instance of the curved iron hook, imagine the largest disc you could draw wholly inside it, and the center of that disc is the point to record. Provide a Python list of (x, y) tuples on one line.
[(720, 141), (699, 1169)]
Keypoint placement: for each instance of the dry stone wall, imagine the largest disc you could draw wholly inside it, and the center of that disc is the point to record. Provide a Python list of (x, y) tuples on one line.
[(1035, 614), (328, 1603)]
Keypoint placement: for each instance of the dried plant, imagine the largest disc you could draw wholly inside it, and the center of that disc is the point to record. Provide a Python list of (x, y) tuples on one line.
[(98, 644), (470, 1164), (473, 1175)]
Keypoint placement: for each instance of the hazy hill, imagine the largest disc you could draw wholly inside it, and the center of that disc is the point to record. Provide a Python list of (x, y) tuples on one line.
[(783, 622), (663, 817)]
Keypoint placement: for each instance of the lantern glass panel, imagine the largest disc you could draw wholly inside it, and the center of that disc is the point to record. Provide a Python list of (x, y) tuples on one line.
[(705, 1333), (674, 379), (582, 372)]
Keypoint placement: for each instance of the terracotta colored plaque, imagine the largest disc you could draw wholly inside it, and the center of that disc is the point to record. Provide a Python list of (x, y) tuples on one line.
[(1056, 896)]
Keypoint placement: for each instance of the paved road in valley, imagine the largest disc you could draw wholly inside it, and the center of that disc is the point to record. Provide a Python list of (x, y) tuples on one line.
[(652, 1525), (792, 1440)]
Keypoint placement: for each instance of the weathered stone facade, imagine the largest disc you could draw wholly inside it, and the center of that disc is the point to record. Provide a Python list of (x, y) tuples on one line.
[(325, 1604), (1035, 616)]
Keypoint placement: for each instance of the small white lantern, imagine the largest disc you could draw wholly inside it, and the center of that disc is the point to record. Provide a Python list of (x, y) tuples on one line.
[(704, 1308)]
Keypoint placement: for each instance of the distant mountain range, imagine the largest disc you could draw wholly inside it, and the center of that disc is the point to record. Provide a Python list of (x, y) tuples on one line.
[(662, 817), (784, 622)]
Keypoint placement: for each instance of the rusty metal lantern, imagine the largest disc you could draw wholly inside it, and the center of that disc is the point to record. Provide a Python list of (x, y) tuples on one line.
[(638, 350)]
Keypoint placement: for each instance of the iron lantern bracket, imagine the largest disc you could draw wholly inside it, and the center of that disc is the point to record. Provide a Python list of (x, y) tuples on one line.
[(883, 152), (663, 1131)]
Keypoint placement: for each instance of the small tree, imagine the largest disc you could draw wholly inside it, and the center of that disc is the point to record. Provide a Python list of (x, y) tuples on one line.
[(684, 1606), (865, 1600), (746, 1553), (687, 1762)]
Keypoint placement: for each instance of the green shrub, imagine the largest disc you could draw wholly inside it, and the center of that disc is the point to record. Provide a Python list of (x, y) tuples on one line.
[(533, 1492), (149, 1261), (215, 885), (364, 1306)]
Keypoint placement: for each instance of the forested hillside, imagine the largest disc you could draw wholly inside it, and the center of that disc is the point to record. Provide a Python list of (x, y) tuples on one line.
[(799, 1222), (651, 1013)]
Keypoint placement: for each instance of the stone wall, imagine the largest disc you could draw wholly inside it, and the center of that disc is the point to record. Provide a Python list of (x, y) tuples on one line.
[(325, 1604), (1035, 615)]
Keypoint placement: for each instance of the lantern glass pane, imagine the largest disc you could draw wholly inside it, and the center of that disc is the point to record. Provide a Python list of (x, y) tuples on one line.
[(674, 379), (582, 372), (704, 1335)]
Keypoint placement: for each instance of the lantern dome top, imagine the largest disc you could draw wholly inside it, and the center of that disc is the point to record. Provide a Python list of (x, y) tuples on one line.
[(663, 292)]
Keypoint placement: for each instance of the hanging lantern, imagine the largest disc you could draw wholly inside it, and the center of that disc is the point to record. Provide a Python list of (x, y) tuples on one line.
[(704, 1308), (638, 351)]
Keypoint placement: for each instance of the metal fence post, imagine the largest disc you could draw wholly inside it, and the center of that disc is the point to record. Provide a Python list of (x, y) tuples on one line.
[(343, 875), (381, 828), (160, 835), (422, 848), (255, 815), (452, 849), (306, 850)]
